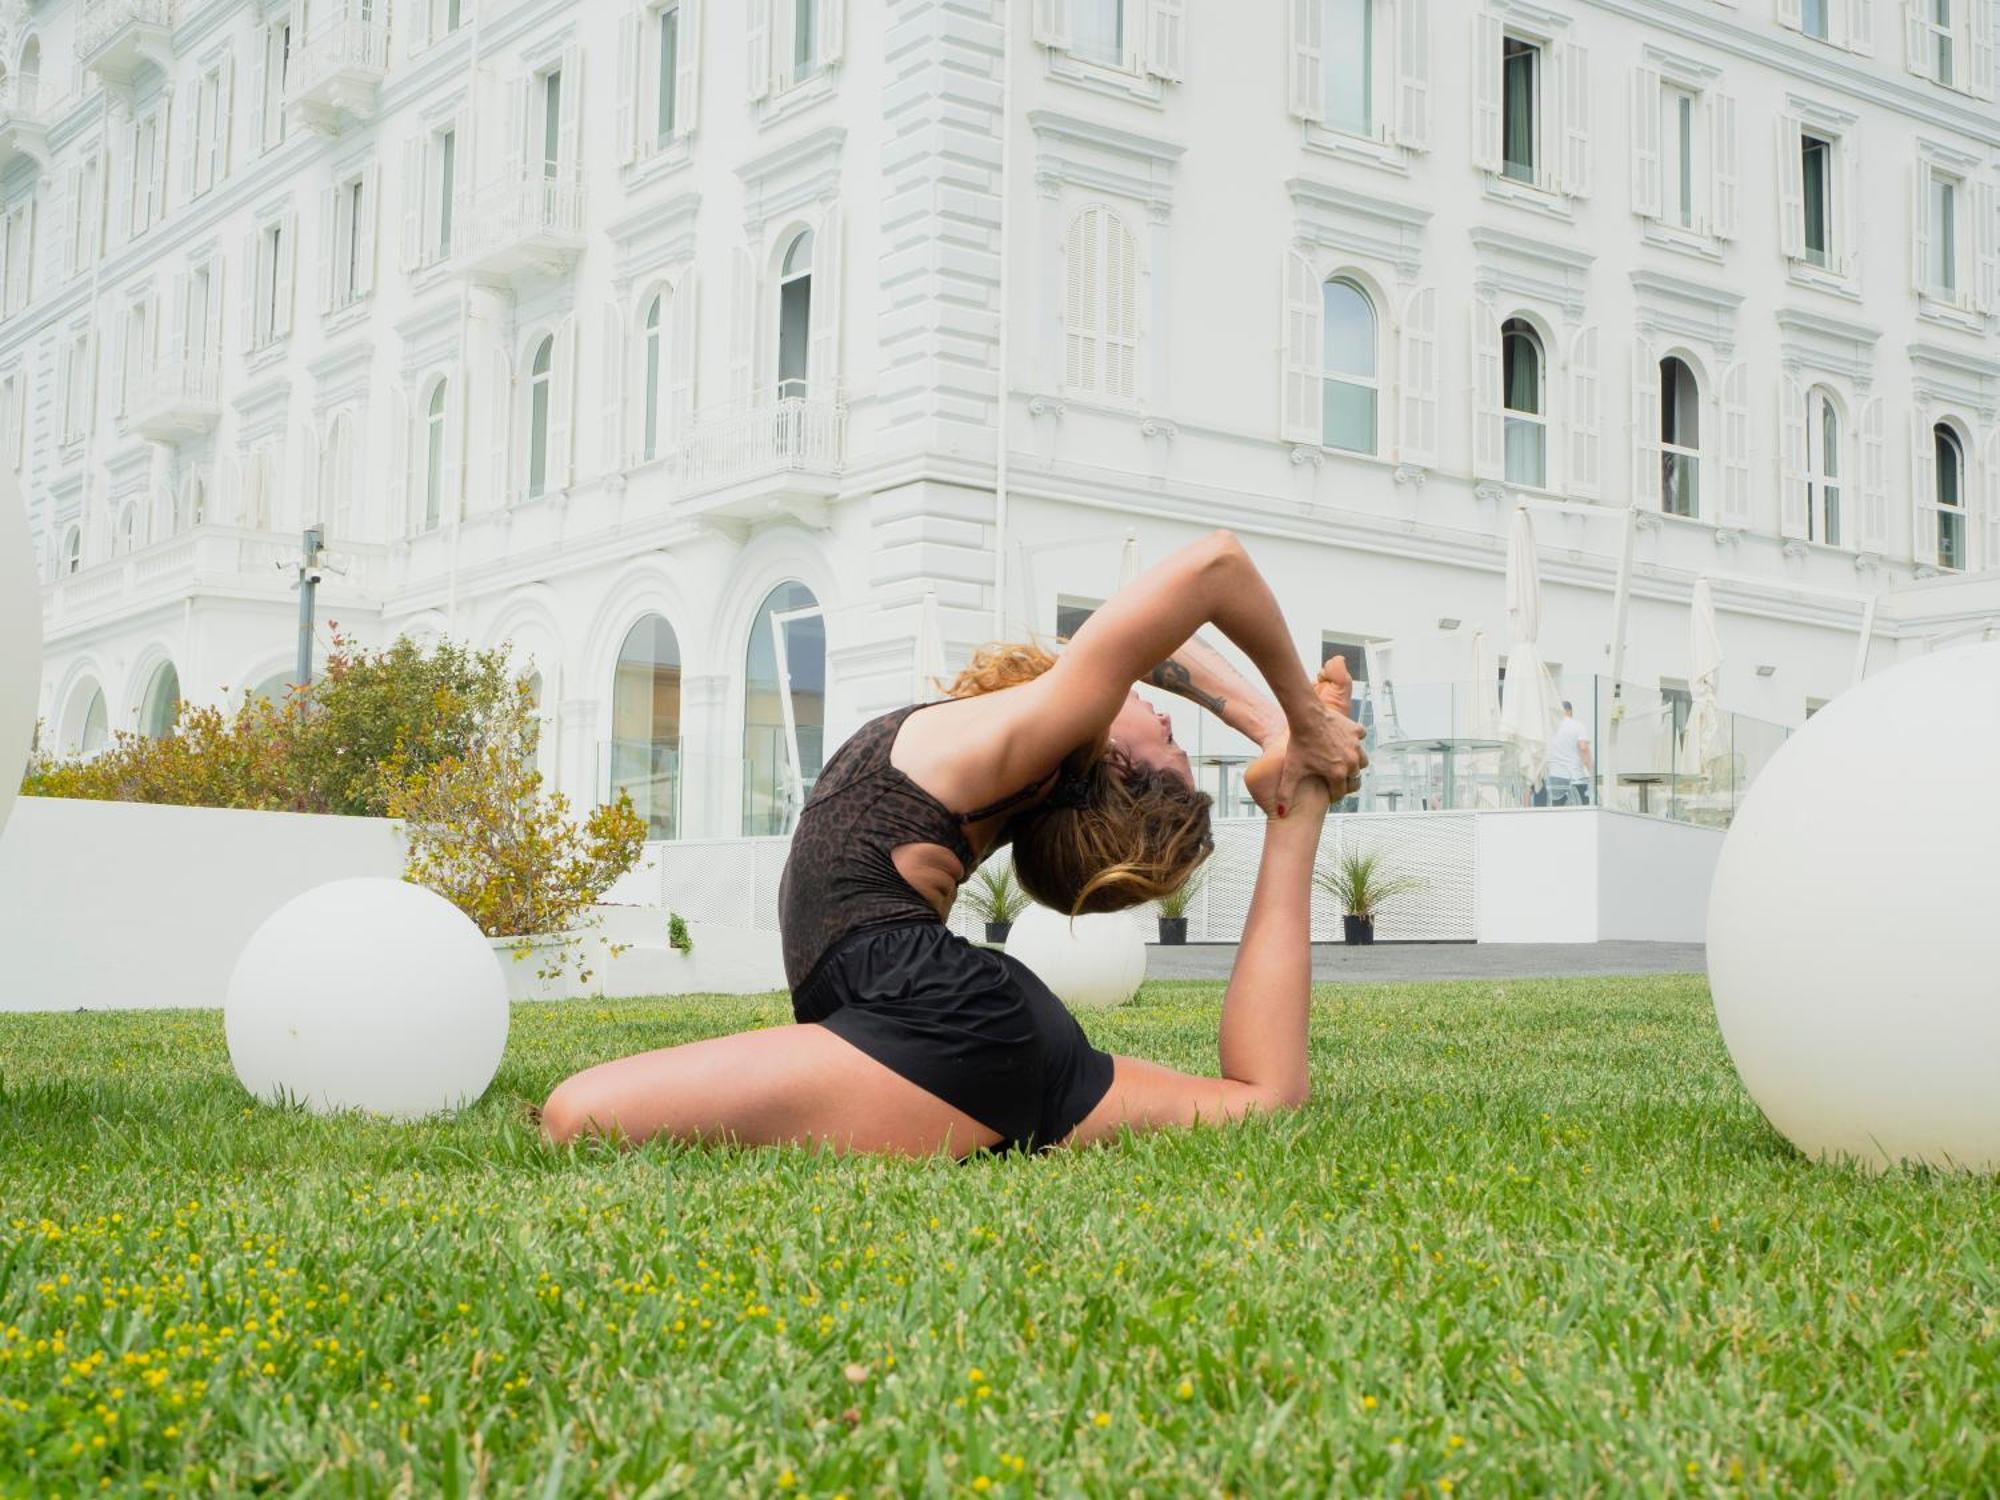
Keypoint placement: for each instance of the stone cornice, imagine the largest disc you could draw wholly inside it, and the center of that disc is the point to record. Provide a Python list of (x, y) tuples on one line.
[(1103, 158), (1330, 217), (1536, 269), (800, 174)]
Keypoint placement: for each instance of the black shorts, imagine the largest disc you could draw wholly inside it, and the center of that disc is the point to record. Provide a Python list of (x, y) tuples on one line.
[(968, 1024)]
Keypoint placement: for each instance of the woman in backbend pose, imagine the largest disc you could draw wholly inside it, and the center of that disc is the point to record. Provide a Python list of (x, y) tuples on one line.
[(913, 1040)]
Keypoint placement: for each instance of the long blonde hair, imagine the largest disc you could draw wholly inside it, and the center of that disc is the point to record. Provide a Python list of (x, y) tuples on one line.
[(1113, 834)]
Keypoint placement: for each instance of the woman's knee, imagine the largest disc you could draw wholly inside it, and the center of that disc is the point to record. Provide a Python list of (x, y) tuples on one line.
[(568, 1114)]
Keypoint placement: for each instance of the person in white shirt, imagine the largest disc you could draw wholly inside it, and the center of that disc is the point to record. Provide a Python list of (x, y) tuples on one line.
[(1569, 763)]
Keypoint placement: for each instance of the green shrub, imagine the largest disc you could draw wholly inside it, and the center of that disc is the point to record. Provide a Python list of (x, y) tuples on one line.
[(678, 936)]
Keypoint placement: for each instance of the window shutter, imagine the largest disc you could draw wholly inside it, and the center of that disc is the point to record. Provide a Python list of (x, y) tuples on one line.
[(1915, 36), (631, 67), (1645, 425), (1486, 57), (118, 170), (1646, 106), (1308, 45), (760, 48), (683, 355), (121, 373), (457, 406), (186, 146), (212, 338), (254, 272), (329, 244), (823, 339), (1989, 488), (1724, 154), (569, 130), (176, 342), (72, 221), (1874, 477), (288, 263), (1121, 310), (1166, 54), (1979, 49), (742, 323), (414, 187), (1301, 418), (1585, 430), (1791, 13), (398, 520), (1417, 372), (1861, 26), (364, 231), (613, 394), (417, 14), (1736, 446), (66, 418), (1413, 74), (521, 154), (687, 83), (19, 419), (1791, 187), (312, 481), (225, 116), (1986, 246), (1847, 237), (1489, 433), (1576, 120), (1081, 301), (832, 31), (562, 406), (1923, 491), (1793, 462), (260, 63), (162, 157), (1920, 230), (1052, 23)]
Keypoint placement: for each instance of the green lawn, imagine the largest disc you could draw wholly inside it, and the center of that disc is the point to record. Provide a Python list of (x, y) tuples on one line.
[(1527, 1238)]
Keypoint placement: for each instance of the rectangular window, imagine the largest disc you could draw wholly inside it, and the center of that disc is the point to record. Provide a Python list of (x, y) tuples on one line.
[(447, 158), (145, 172), (87, 221), (1941, 275), (76, 392), (669, 64), (1097, 30), (1943, 53), (805, 38), (1071, 612), (277, 70), (1520, 121), (19, 253), (345, 244), (552, 122), (1817, 162), (200, 290), (270, 311), (1350, 66), (138, 355), (1682, 155), (209, 144), (1815, 18)]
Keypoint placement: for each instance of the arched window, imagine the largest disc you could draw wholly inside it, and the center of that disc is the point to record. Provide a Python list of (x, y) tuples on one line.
[(274, 689), (72, 552), (1350, 389), (795, 317), (1823, 469), (541, 371), (255, 489), (194, 501), (1680, 439), (434, 458), (1101, 306), (128, 528), (89, 725), (336, 487), (1950, 498), (536, 759), (29, 81), (645, 749), (654, 338), (162, 707), (1523, 397), (770, 802)]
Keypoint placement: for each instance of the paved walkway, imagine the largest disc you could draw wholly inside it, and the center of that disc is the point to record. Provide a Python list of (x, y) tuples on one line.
[(1416, 961)]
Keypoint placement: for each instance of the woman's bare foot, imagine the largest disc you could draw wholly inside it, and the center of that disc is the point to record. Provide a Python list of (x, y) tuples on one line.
[(1335, 687)]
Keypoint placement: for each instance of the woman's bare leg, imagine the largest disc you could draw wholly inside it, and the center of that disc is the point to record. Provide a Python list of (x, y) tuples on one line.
[(790, 1083), (1263, 1041)]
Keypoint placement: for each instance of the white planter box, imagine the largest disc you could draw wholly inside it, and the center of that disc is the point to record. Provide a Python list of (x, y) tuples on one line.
[(725, 960)]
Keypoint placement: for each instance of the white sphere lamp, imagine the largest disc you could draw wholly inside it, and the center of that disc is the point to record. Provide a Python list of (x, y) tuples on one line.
[(369, 994), (1854, 925), (1093, 963)]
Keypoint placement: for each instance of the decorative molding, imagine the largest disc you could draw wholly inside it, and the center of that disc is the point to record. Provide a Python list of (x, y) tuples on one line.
[(1795, 548), (1680, 68), (342, 373), (1728, 536), (1821, 116), (798, 175), (1103, 158), (658, 236), (1549, 23), (1810, 341), (1937, 153), (1956, 377), (1303, 454), (1159, 427), (1537, 269), (1490, 489), (1678, 308), (1415, 474), (1329, 217), (1047, 406)]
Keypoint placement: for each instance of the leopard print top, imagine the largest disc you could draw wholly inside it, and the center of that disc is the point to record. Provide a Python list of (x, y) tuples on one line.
[(840, 877)]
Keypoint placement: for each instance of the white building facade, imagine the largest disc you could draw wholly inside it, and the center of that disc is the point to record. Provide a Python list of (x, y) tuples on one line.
[(684, 345)]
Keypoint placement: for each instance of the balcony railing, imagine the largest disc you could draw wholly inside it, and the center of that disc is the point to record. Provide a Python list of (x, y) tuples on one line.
[(180, 397), (791, 434), (115, 38), (230, 557), (335, 74), (521, 222), (24, 120)]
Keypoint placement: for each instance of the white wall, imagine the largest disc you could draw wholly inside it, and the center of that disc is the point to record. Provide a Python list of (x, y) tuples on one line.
[(1585, 875), (110, 905), (1653, 878)]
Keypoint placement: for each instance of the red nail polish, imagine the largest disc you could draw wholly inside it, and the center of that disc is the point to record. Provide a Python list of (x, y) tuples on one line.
[(1281, 809)]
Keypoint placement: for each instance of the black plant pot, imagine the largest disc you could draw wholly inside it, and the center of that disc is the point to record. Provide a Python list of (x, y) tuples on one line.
[(996, 932), (1359, 929), (1173, 930)]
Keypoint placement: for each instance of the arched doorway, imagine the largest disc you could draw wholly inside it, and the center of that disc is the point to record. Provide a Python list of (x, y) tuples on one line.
[(770, 801), (644, 754), (162, 706)]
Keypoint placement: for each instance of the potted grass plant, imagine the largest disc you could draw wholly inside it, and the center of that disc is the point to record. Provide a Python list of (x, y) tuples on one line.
[(995, 897), (1174, 909), (1361, 880)]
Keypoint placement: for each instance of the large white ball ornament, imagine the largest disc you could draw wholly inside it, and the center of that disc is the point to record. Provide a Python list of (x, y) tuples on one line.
[(369, 994), (1854, 926), (1092, 964), (20, 642)]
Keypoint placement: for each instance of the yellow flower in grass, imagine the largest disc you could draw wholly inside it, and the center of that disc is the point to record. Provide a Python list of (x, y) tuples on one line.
[(786, 1479), (1101, 1418), (1185, 1390)]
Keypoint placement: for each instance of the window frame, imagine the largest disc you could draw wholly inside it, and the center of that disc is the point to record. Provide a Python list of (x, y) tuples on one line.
[(1515, 327), (1677, 457), (1945, 436), (1829, 515), (1372, 384)]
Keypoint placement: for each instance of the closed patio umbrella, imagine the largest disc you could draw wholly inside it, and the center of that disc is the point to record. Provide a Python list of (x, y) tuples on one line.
[(1703, 741), (1531, 708), (931, 670), (1130, 565), (1482, 716)]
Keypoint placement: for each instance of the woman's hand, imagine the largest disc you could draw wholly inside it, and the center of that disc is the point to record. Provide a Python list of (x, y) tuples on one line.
[(1322, 742)]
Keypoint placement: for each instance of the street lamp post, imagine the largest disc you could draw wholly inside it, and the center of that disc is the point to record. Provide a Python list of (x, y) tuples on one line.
[(310, 548)]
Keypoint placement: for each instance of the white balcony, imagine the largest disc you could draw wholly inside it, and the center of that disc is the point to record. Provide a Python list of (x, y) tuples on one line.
[(118, 39), (178, 398), (337, 73), (520, 224), (243, 563), (775, 456), (24, 122)]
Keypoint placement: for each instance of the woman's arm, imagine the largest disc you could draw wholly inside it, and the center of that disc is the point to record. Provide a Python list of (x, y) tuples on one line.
[(1200, 674)]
